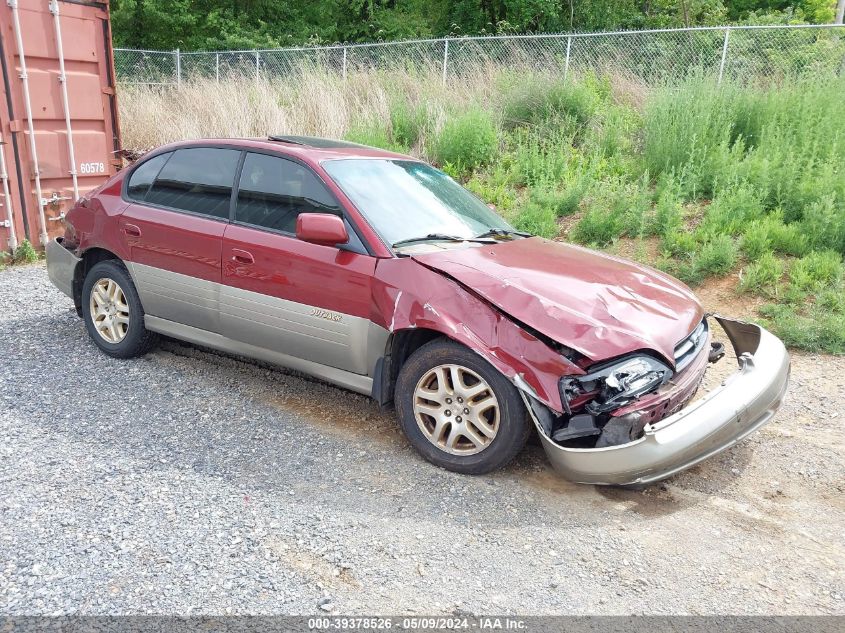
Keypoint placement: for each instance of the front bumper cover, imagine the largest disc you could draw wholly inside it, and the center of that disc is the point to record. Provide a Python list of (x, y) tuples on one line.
[(744, 402)]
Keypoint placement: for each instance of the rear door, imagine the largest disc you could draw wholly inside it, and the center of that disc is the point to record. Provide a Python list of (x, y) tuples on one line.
[(174, 228), (303, 300)]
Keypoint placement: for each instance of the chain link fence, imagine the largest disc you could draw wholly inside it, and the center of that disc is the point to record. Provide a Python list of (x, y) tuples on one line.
[(747, 53)]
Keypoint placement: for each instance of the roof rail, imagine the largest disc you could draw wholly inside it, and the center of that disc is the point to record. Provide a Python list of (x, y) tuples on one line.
[(313, 141)]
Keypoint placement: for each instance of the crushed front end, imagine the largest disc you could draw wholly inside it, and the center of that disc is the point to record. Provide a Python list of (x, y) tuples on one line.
[(633, 420)]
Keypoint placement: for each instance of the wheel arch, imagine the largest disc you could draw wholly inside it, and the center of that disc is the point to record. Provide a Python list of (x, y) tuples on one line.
[(399, 347), (90, 258)]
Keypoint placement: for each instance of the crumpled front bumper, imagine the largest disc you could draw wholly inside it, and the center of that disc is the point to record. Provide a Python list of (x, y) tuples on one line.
[(61, 266), (744, 402)]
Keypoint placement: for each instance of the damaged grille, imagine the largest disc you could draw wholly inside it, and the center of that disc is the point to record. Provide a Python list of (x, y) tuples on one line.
[(689, 348)]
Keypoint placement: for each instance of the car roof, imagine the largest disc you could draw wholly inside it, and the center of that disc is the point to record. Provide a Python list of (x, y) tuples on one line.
[(312, 148)]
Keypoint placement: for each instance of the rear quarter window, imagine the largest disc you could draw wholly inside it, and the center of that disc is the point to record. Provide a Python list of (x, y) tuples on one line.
[(198, 180), (144, 175)]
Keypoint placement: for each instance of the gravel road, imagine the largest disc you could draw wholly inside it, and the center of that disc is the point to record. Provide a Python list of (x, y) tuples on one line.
[(190, 482)]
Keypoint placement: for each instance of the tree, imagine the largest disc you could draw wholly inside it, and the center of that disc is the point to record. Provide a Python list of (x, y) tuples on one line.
[(246, 24)]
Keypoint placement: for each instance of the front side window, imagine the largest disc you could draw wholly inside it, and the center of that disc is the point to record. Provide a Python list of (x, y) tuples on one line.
[(404, 199), (197, 179), (144, 175), (273, 191)]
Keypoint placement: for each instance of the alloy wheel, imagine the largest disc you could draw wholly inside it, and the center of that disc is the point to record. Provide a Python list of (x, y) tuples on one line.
[(456, 409), (109, 310)]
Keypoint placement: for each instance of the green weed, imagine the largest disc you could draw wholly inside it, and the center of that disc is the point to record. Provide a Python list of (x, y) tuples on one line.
[(817, 269), (407, 122), (539, 102), (537, 220), (817, 330), (562, 203), (25, 253), (374, 135), (762, 275), (468, 140)]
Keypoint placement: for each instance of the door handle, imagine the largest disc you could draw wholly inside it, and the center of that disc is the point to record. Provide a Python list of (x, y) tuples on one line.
[(131, 230), (242, 257)]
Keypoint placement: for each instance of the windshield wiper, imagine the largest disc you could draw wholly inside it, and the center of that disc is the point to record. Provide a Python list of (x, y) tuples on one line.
[(437, 237), (502, 233)]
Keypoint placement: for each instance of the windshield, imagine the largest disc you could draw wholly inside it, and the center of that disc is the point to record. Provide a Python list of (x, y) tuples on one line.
[(404, 199)]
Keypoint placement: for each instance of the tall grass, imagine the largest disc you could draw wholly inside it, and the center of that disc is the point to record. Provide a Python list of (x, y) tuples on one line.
[(730, 179)]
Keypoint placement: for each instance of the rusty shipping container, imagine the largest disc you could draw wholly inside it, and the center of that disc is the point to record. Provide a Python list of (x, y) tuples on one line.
[(58, 114)]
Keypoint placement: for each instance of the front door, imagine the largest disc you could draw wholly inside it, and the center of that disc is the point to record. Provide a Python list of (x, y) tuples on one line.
[(174, 229), (303, 300)]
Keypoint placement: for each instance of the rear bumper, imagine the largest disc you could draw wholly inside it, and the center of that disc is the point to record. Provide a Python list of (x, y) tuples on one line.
[(744, 402), (61, 266)]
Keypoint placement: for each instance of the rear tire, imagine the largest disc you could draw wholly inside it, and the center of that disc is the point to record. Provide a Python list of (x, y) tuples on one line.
[(112, 311), (458, 410)]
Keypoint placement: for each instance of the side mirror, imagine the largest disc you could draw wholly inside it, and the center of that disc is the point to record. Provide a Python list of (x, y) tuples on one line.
[(325, 229)]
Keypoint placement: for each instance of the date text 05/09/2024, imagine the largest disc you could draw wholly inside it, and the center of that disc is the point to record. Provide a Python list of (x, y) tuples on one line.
[(417, 623)]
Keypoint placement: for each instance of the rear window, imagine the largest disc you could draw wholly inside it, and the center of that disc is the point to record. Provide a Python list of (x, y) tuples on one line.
[(198, 180), (144, 175)]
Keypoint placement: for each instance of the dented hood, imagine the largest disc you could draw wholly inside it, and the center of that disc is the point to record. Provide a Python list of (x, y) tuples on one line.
[(599, 305)]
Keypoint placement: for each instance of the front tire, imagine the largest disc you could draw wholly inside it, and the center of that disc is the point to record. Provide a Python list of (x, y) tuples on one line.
[(458, 411), (112, 311)]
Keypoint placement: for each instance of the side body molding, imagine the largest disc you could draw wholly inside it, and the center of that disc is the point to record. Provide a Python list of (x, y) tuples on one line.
[(342, 349), (324, 337), (176, 297)]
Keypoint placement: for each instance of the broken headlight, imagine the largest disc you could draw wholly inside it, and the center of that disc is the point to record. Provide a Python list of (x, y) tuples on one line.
[(616, 384)]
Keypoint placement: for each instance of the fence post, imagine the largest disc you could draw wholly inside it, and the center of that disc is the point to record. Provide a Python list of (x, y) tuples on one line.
[(178, 67), (724, 54), (344, 63), (257, 67), (217, 67), (568, 48), (445, 57)]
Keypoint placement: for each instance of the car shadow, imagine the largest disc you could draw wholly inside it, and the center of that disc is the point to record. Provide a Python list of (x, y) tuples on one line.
[(288, 438)]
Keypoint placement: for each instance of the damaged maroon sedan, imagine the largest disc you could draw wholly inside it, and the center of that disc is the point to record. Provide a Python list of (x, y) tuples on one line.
[(378, 273)]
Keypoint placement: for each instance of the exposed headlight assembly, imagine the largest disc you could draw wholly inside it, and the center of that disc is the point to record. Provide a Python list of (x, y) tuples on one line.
[(617, 384)]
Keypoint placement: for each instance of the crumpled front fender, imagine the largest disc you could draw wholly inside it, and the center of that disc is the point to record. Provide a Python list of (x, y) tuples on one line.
[(409, 295)]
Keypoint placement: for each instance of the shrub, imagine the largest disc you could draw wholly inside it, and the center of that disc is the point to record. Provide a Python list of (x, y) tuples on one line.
[(762, 275), (731, 211), (816, 269), (679, 244), (685, 269), (540, 159), (824, 224), (817, 331), (24, 253), (599, 227), (688, 128), (755, 242), (561, 203), (540, 101), (786, 238), (467, 140), (717, 256), (537, 220), (668, 214), (493, 190), (406, 122), (372, 134)]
